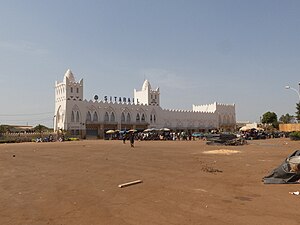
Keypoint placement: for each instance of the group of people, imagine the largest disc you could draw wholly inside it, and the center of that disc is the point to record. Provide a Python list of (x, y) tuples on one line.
[(155, 136), (144, 136)]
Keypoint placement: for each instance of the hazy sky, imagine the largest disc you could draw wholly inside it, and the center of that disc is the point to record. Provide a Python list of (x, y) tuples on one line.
[(197, 52)]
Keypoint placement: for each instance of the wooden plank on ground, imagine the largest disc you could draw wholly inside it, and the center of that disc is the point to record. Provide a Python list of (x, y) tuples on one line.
[(130, 183)]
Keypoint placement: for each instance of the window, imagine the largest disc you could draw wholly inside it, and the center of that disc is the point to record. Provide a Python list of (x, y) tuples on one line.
[(77, 116), (88, 116), (154, 118), (151, 118), (143, 117), (77, 90), (128, 118), (137, 117), (95, 117), (123, 117), (72, 117), (71, 89), (58, 117), (106, 117), (112, 117)]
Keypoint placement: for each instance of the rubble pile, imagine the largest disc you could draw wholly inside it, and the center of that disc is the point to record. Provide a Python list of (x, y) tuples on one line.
[(225, 139)]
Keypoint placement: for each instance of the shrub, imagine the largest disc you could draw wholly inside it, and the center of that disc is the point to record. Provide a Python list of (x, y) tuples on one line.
[(7, 141), (295, 136)]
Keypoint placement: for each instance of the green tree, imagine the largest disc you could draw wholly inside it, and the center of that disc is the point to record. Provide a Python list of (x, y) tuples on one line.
[(270, 118), (298, 111), (287, 118), (4, 128), (40, 128)]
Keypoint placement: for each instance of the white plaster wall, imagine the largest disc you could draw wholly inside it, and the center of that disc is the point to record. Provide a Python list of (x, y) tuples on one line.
[(226, 113), (172, 118), (205, 108), (141, 96)]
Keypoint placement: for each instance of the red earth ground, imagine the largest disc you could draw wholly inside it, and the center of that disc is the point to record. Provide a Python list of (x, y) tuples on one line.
[(76, 183)]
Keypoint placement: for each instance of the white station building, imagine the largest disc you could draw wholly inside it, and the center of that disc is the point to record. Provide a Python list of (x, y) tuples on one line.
[(92, 118)]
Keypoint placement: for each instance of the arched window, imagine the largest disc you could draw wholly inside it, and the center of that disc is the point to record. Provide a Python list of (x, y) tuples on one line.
[(143, 117), (88, 116), (95, 117), (62, 117), (58, 117), (128, 118), (224, 120), (137, 117), (71, 90), (112, 117), (123, 117), (151, 118), (154, 118), (77, 116), (106, 117), (227, 119), (72, 117)]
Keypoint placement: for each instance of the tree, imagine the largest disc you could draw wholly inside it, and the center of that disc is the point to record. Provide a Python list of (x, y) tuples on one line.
[(40, 128), (298, 111), (270, 118), (4, 128), (287, 118)]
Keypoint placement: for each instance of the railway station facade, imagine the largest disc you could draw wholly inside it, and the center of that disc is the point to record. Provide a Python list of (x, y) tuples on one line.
[(92, 118)]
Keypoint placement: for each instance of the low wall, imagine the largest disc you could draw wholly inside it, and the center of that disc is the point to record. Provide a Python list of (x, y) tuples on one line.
[(289, 127), (26, 136)]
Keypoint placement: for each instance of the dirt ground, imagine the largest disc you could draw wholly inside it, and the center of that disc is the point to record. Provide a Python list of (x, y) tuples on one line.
[(76, 183)]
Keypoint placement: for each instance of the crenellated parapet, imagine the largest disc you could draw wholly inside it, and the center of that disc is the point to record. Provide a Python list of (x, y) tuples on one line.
[(186, 111)]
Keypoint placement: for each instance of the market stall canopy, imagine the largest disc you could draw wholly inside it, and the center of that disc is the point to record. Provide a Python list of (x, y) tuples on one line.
[(247, 128), (165, 129), (150, 130), (132, 130), (110, 132)]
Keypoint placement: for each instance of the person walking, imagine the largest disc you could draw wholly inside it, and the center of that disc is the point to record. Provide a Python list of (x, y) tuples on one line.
[(132, 140), (124, 138)]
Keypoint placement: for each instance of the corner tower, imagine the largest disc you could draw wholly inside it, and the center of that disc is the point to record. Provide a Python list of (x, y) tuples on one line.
[(147, 95), (66, 93)]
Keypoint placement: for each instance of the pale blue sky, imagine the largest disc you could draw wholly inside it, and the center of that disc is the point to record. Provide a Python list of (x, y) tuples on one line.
[(197, 52)]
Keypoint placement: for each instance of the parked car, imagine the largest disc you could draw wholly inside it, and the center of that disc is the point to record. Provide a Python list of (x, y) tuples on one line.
[(197, 135)]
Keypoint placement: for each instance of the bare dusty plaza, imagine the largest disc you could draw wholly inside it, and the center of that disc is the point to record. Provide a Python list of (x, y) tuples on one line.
[(183, 182)]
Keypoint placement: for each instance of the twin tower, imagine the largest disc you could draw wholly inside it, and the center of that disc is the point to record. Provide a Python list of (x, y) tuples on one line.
[(70, 89), (72, 110)]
